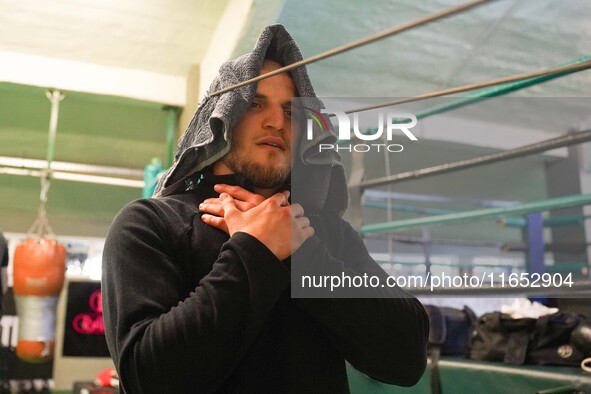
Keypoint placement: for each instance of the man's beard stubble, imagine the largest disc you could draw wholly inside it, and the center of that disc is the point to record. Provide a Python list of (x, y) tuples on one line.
[(260, 176)]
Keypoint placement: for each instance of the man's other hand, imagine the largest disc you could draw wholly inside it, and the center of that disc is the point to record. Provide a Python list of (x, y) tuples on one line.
[(281, 227)]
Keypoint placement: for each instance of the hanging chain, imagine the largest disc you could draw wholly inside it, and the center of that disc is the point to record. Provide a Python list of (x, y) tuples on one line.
[(41, 226)]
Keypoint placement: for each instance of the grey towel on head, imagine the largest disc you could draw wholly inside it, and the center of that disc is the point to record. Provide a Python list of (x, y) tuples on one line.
[(318, 177)]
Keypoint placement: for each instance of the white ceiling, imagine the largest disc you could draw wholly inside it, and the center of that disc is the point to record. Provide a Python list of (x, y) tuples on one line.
[(160, 36), (497, 39), (501, 38), (168, 37)]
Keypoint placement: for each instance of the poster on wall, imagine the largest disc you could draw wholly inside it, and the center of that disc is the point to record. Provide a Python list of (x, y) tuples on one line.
[(84, 331)]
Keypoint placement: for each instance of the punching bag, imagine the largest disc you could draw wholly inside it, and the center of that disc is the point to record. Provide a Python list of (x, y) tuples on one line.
[(39, 269)]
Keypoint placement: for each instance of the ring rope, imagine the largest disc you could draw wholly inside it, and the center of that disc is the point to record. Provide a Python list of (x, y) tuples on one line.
[(531, 206), (538, 147), (558, 71), (364, 41)]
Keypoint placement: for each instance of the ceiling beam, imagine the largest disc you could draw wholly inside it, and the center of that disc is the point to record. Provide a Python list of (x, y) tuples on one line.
[(75, 76), (225, 38)]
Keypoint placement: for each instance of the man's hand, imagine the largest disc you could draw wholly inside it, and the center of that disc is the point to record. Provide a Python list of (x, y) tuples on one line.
[(281, 227), (212, 207)]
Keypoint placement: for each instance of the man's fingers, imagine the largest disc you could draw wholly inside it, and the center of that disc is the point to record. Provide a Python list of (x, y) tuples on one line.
[(296, 210), (239, 193), (286, 193), (300, 235), (230, 189), (279, 199), (302, 222), (228, 203), (213, 208), (308, 232), (215, 221)]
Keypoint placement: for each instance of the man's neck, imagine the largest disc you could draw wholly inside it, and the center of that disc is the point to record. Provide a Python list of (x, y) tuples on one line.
[(221, 169), (265, 192)]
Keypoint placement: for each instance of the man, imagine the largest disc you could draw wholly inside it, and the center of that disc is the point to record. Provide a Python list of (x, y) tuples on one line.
[(198, 300)]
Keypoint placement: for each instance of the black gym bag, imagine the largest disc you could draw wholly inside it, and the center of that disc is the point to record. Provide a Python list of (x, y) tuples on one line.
[(449, 334), (547, 340)]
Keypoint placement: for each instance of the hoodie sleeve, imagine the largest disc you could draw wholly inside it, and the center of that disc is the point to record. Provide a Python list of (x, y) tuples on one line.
[(382, 331), (160, 344)]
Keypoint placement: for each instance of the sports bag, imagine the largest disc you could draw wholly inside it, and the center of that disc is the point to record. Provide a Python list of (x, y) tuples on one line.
[(547, 340), (449, 334)]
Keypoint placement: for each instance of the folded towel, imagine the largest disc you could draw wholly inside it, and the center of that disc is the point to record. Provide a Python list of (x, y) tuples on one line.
[(318, 178)]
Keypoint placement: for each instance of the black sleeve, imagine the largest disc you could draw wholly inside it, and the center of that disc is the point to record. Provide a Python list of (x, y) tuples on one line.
[(384, 334), (163, 340), (3, 252)]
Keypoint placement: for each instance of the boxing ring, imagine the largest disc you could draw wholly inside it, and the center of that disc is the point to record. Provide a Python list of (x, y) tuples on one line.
[(360, 187), (375, 193), (530, 240)]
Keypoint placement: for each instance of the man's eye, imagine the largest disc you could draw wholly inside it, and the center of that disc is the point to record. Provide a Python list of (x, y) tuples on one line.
[(288, 113), (254, 104)]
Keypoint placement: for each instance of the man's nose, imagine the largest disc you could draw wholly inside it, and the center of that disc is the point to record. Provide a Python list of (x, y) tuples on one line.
[(274, 118)]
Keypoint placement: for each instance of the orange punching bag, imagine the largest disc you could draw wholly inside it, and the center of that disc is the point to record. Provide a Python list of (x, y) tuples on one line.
[(39, 271)]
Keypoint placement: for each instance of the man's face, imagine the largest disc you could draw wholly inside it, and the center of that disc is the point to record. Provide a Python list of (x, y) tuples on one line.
[(261, 146)]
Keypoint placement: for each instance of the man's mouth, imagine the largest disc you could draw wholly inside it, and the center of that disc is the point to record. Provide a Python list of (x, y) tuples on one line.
[(273, 142)]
